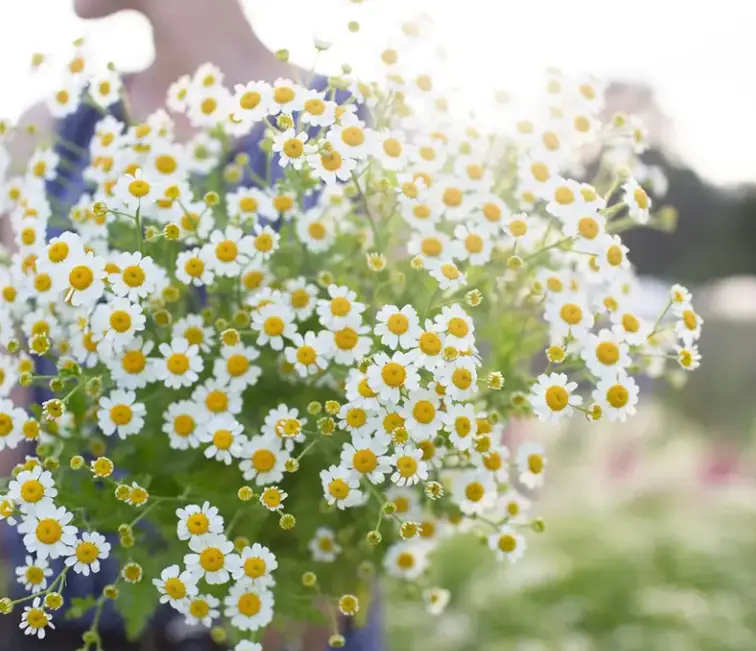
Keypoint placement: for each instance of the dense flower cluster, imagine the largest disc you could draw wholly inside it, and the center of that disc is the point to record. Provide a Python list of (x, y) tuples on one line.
[(269, 356)]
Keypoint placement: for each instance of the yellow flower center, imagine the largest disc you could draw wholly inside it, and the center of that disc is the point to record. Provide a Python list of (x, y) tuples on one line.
[(178, 363), (607, 353), (365, 461), (226, 251), (121, 414), (338, 488), (216, 401), (263, 460), (617, 396), (690, 319), (551, 141), (564, 196), (222, 439), (353, 136), (81, 277), (407, 466), (264, 242), (614, 256), (139, 188), (398, 324), (306, 355), (557, 398), (120, 321), (32, 491), (364, 389), (250, 100), (394, 374), (641, 198), (49, 531), (346, 339), (212, 559), (237, 365), (293, 148), (199, 609), (535, 464), (432, 247), (198, 524), (340, 306), (452, 197), (571, 313), (450, 271), (462, 378), (424, 412), (37, 618), (183, 425), (133, 276), (316, 230), (458, 327), (249, 603), (255, 567), (462, 426), (208, 106), (34, 575), (630, 323), (405, 561), (133, 361), (283, 95), (331, 160), (474, 491), (175, 588), (392, 147), (430, 343), (273, 326), (283, 203), (87, 552), (507, 543), (166, 164)]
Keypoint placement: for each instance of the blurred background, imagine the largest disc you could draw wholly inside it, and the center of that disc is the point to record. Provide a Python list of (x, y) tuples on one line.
[(650, 531)]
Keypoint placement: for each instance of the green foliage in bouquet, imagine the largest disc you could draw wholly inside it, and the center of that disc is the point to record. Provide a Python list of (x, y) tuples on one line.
[(268, 379)]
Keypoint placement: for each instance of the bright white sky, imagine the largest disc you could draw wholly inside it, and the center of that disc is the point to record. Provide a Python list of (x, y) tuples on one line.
[(698, 56)]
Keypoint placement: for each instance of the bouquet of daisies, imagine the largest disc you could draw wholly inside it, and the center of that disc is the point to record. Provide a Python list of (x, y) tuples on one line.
[(269, 363)]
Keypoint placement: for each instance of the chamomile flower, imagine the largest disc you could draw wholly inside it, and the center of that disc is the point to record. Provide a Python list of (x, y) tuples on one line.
[(249, 607), (461, 423), (329, 165), (341, 309), (409, 464), (136, 276), (12, 420), (35, 619), (87, 553), (179, 365), (33, 575), (393, 151), (347, 345), (688, 326), (474, 491), (351, 139), (422, 414), (388, 376), (638, 202), (448, 275), (182, 421), (85, 280), (195, 267), (341, 487), (287, 97), (368, 456), (32, 489), (251, 102), (569, 315), (474, 244), (246, 203), (688, 357), (48, 532), (136, 191), (429, 350), (318, 111), (507, 543), (617, 396), (631, 327), (564, 199), (274, 322), (120, 414), (290, 147), (213, 558), (230, 251), (456, 325), (235, 368), (436, 600), (359, 392), (201, 610), (302, 297), (114, 325), (257, 564), (225, 437), (264, 460), (605, 354), (284, 424), (176, 587), (307, 354), (323, 546), (553, 397), (214, 398), (197, 521), (398, 327), (405, 560), (531, 463), (460, 377)]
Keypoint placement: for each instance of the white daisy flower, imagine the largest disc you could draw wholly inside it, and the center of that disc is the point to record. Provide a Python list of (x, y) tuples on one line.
[(460, 377), (302, 297), (638, 202), (120, 414), (32, 488), (405, 560), (12, 420), (180, 364), (353, 419), (347, 345), (422, 414), (195, 520), (328, 164), (265, 242), (318, 111), (213, 558), (448, 275), (515, 506), (35, 619), (368, 456), (229, 251), (568, 315), (507, 543), (287, 97), (48, 533), (264, 460), (531, 463), (474, 491), (290, 147), (340, 487), (225, 436), (86, 279), (195, 267), (398, 328), (393, 151), (136, 276), (176, 587), (553, 397), (251, 102), (131, 368), (388, 376), (114, 325), (87, 553), (410, 467), (248, 606), (308, 354), (461, 423), (286, 425), (235, 369), (617, 396), (316, 230), (274, 322), (458, 327), (323, 546), (351, 138), (182, 422), (215, 398), (33, 575), (201, 610), (340, 309), (193, 329), (257, 564), (688, 326), (135, 191), (605, 354)]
